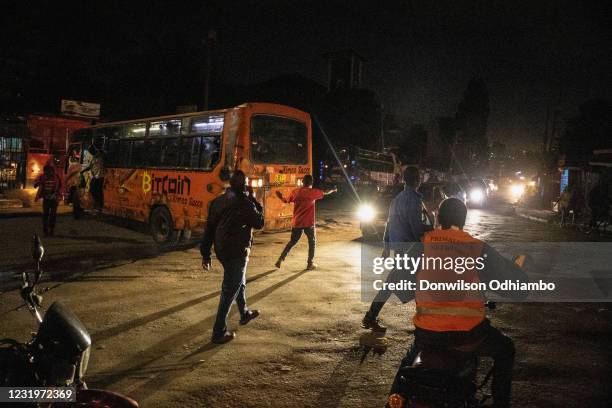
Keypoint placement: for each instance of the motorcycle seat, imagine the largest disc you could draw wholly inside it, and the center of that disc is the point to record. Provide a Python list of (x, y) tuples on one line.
[(448, 362)]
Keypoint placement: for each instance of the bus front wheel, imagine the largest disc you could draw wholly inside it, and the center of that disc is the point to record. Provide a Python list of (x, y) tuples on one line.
[(162, 226)]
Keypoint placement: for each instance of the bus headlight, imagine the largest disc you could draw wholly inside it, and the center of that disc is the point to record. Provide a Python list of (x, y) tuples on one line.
[(476, 195), (256, 183), (300, 182), (366, 213)]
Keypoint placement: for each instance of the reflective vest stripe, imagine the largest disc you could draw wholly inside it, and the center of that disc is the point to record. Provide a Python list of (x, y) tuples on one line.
[(450, 311)]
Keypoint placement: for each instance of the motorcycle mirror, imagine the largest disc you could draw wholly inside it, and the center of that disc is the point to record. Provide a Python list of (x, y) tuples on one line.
[(37, 249), (37, 254)]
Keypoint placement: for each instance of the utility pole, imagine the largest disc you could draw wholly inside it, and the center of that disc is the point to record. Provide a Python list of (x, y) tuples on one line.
[(546, 140), (382, 128), (210, 44)]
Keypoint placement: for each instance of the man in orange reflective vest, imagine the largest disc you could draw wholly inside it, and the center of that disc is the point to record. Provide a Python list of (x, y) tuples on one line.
[(456, 318)]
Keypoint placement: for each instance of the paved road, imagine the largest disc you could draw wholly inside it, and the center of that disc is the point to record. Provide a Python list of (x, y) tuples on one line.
[(151, 318)]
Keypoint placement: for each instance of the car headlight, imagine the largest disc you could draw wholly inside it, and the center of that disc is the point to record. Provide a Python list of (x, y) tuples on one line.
[(517, 190), (366, 213), (476, 195)]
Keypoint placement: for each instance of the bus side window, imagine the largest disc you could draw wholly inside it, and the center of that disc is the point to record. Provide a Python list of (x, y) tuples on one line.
[(138, 154), (123, 154), (190, 152), (154, 152), (113, 151), (210, 152), (170, 152)]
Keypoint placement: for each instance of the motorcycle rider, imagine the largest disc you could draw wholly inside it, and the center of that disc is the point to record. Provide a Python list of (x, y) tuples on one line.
[(456, 319)]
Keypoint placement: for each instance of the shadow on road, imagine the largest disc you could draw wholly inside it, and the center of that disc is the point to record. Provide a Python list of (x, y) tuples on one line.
[(163, 348), (106, 334), (336, 385), (68, 268)]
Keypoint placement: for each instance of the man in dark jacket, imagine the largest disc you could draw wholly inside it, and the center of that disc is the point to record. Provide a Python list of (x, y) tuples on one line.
[(231, 219)]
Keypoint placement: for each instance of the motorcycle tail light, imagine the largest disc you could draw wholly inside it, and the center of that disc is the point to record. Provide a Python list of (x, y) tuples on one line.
[(395, 401)]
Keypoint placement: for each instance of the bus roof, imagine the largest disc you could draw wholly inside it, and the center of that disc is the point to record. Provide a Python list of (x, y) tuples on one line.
[(149, 118), (189, 114)]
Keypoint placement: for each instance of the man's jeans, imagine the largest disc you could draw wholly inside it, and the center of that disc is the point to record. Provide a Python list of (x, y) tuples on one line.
[(495, 345), (296, 234), (49, 215), (382, 296), (97, 192), (233, 287)]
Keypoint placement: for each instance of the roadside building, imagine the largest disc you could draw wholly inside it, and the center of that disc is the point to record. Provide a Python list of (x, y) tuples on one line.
[(49, 140), (14, 139)]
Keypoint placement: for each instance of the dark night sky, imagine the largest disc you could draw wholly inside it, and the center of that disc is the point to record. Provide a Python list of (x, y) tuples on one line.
[(419, 55)]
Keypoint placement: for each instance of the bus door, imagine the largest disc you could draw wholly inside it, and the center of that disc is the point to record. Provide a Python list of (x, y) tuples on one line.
[(124, 145)]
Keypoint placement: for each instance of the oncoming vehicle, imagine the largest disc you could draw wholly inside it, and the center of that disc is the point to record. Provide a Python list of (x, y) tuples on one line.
[(375, 177), (477, 192), (373, 214), (370, 172), (165, 170)]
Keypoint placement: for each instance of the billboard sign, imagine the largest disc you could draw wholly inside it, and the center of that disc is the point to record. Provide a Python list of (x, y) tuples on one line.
[(79, 108)]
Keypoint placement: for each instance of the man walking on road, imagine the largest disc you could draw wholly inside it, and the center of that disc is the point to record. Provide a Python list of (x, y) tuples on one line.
[(231, 219), (303, 218), (404, 225), (49, 189)]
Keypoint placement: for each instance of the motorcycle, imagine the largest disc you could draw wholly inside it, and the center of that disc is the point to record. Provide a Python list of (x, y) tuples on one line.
[(58, 353), (441, 377)]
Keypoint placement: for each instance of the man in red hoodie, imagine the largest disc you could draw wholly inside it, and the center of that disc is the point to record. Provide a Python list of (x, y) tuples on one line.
[(303, 218), (50, 190)]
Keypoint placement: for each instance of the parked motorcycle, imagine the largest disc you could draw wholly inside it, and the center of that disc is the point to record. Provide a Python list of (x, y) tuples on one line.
[(58, 353), (442, 377)]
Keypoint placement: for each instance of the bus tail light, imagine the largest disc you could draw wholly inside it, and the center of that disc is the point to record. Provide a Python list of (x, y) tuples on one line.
[(395, 401)]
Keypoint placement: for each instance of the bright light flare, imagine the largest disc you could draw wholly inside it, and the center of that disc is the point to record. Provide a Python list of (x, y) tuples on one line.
[(366, 213), (517, 190), (476, 195)]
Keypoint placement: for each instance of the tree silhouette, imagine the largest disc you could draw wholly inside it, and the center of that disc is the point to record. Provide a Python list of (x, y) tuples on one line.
[(591, 129)]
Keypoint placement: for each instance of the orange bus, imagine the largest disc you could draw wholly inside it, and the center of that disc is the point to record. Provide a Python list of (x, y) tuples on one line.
[(165, 170)]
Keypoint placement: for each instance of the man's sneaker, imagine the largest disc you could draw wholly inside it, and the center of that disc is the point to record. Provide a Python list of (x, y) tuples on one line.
[(250, 315), (311, 266), (278, 263), (224, 338), (372, 323)]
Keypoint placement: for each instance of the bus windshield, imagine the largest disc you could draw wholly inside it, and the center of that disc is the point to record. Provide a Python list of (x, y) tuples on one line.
[(278, 140)]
